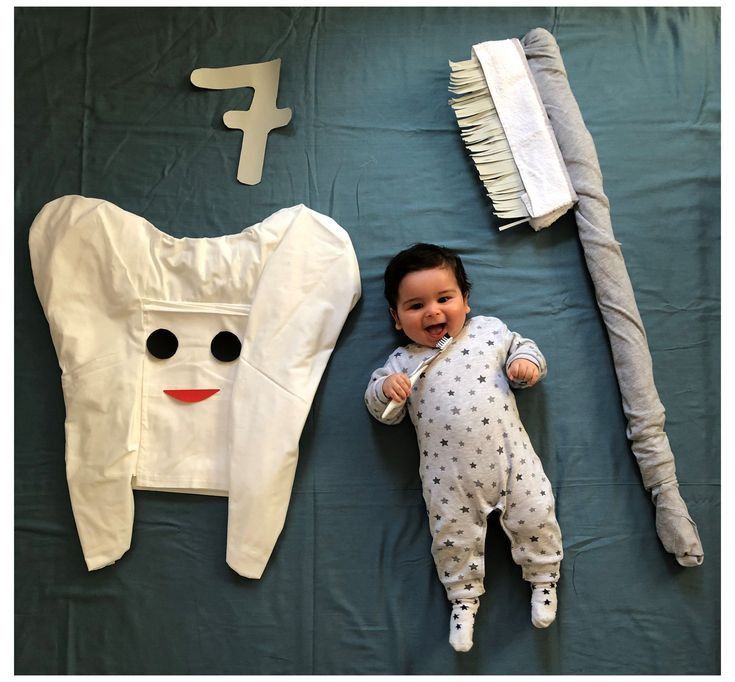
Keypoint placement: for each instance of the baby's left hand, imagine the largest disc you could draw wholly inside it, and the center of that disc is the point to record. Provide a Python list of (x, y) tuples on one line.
[(523, 371)]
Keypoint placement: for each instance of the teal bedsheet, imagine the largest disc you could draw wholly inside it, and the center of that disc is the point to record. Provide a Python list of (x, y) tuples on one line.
[(104, 108)]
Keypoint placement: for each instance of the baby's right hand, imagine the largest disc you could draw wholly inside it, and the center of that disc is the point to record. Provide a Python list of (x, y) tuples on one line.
[(397, 387)]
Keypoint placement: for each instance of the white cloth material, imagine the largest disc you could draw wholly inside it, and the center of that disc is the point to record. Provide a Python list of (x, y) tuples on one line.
[(549, 193), (107, 279)]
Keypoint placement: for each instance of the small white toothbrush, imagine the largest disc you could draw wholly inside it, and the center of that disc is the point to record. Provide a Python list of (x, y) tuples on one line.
[(442, 344)]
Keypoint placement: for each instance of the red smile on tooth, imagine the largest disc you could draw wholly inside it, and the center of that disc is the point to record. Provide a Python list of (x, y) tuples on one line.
[(191, 395)]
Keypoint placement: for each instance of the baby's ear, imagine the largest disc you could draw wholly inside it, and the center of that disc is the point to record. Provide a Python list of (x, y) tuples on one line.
[(467, 303), (395, 318)]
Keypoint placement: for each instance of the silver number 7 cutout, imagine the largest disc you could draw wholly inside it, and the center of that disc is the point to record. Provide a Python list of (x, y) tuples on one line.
[(255, 123)]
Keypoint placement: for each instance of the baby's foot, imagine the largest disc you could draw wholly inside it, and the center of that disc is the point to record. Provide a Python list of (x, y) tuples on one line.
[(462, 623), (543, 604)]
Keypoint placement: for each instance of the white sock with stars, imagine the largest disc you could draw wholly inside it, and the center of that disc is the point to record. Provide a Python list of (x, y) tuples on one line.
[(543, 604), (462, 623)]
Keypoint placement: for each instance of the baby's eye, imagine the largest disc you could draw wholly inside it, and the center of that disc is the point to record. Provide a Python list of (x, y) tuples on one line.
[(162, 344), (415, 306), (226, 347), (444, 299)]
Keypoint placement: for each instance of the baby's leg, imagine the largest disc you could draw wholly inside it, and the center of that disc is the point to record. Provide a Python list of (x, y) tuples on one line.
[(530, 523), (458, 533)]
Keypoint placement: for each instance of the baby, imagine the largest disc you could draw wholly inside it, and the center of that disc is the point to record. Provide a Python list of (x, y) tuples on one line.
[(475, 455)]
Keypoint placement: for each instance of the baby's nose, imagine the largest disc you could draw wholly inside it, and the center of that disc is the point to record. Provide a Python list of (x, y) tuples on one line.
[(431, 310)]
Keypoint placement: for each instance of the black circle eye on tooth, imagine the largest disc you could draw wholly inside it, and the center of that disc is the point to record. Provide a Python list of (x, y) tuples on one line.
[(162, 344), (226, 347)]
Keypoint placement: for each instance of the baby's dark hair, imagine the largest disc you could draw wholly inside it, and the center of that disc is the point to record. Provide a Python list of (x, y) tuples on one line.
[(422, 257)]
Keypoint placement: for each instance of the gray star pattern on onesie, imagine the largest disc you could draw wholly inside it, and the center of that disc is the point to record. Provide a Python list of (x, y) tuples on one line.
[(475, 455)]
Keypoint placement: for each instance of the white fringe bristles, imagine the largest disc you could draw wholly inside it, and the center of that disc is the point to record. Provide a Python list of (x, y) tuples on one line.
[(486, 141)]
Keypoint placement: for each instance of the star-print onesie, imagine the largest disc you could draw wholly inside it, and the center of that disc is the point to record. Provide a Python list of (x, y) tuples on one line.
[(475, 457)]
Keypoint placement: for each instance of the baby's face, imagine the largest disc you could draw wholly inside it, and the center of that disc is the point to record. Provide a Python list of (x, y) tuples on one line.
[(430, 305)]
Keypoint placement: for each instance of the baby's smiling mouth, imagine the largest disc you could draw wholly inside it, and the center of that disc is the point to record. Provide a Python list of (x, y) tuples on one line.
[(191, 395), (436, 330)]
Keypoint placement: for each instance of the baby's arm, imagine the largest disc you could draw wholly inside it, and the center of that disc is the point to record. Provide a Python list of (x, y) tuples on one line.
[(386, 383), (523, 358)]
